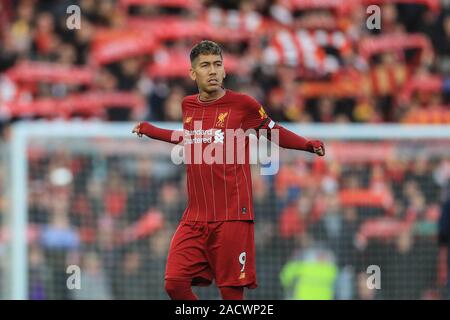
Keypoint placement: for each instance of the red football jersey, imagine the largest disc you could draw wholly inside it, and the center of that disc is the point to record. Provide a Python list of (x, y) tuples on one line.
[(220, 190)]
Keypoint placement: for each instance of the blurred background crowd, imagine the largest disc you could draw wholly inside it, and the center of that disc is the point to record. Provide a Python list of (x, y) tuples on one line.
[(305, 61)]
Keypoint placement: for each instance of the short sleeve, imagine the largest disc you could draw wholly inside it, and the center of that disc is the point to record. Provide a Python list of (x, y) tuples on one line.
[(255, 116)]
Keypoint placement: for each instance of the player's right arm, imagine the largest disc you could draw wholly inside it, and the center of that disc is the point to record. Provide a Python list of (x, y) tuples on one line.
[(151, 131)]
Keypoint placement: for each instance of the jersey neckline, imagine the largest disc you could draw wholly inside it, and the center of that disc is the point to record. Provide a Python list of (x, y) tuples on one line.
[(212, 101)]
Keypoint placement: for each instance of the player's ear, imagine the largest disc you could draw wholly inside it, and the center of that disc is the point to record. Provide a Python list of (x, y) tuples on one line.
[(192, 74)]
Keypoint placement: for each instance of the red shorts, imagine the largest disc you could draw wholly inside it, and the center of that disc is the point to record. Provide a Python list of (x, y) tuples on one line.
[(223, 251)]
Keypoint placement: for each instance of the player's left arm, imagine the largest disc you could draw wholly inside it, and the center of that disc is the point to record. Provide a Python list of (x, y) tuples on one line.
[(256, 118)]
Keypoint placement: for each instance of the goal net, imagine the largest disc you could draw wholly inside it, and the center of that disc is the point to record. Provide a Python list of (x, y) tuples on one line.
[(92, 209)]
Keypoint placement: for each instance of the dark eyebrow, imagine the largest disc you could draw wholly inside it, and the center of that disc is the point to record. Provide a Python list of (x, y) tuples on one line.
[(207, 62)]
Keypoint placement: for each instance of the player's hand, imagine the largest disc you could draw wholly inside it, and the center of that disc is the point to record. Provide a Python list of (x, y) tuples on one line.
[(143, 128), (137, 129), (317, 147)]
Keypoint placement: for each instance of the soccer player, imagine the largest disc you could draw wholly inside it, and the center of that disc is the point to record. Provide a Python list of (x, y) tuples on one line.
[(215, 237)]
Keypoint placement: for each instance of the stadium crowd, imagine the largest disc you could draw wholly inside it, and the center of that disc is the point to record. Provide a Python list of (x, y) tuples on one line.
[(305, 61), (114, 216)]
